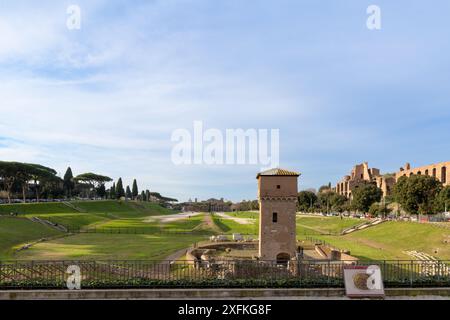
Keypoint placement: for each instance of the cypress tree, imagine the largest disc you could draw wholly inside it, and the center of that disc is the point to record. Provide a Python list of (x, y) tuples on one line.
[(112, 191), (101, 191), (68, 183), (147, 195), (135, 191), (120, 192), (128, 193)]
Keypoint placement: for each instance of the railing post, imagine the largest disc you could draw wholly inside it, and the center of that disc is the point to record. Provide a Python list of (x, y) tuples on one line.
[(328, 273)]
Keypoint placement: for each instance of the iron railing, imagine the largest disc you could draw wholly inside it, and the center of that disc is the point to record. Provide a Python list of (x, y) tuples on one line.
[(202, 274)]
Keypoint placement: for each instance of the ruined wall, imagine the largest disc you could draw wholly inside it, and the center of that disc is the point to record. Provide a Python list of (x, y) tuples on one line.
[(361, 173), (440, 171)]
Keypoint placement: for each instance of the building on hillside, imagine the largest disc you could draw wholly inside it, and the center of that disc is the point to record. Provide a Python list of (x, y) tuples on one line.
[(277, 196), (440, 171), (210, 205), (362, 173)]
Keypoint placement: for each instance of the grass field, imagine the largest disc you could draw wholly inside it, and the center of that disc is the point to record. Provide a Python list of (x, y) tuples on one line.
[(389, 241), (89, 213), (15, 232), (35, 208), (320, 224), (122, 222), (109, 246), (228, 226), (73, 220), (123, 209), (152, 226)]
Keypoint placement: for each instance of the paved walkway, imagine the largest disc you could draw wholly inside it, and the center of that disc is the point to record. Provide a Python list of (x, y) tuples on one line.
[(221, 293)]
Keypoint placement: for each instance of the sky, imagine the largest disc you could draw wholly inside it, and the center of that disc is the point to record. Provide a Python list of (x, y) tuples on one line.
[(107, 97)]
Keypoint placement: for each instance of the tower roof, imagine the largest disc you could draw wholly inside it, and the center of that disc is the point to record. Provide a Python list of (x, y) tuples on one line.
[(278, 172)]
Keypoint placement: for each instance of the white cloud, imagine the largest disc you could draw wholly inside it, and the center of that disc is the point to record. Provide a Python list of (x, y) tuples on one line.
[(106, 98)]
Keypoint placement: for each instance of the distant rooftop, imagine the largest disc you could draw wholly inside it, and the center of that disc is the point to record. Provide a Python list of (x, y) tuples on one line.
[(278, 172)]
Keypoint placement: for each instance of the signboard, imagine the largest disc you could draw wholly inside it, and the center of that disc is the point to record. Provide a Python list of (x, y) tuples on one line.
[(363, 281)]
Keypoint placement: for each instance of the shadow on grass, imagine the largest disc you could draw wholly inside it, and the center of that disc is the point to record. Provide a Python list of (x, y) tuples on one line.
[(221, 225)]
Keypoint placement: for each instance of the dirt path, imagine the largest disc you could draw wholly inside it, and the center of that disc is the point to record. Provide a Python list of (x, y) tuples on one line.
[(209, 224), (176, 255)]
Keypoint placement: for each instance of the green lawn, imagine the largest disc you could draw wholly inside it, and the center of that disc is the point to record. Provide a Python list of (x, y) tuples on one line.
[(389, 240), (184, 225), (110, 214), (123, 209), (15, 232), (139, 225), (128, 225), (50, 207), (151, 209), (109, 246), (73, 220), (94, 212), (320, 224), (228, 226)]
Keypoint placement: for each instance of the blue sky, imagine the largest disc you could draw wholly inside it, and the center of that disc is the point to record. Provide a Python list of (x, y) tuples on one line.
[(107, 97)]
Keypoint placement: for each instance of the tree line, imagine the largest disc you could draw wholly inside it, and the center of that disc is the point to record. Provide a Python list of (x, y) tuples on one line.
[(417, 194), (29, 180)]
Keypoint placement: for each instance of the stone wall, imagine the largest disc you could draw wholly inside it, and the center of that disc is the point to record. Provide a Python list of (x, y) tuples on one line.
[(440, 171)]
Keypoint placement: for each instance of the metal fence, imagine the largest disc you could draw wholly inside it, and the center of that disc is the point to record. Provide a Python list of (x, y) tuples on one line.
[(149, 230), (203, 274)]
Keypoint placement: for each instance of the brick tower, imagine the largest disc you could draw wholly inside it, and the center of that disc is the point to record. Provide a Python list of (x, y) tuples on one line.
[(277, 195)]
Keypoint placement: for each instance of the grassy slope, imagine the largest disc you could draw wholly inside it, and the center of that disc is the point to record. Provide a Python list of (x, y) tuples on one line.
[(183, 225), (390, 239), (123, 209), (18, 231), (153, 226), (317, 224), (229, 226), (73, 220), (96, 211), (109, 246), (385, 241), (50, 207)]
